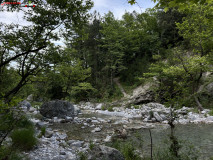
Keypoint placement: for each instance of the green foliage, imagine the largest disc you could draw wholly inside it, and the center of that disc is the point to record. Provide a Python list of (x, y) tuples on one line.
[(42, 133), (195, 110), (188, 152), (127, 149), (10, 154), (211, 112), (36, 104), (132, 2), (9, 118), (66, 80), (178, 76), (180, 4), (24, 139), (129, 152), (28, 46), (91, 145), (110, 108), (103, 107), (82, 156), (24, 122), (136, 106), (197, 27), (38, 116)]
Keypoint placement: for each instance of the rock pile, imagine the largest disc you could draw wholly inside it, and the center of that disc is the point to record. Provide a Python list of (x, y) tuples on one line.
[(58, 108), (152, 112)]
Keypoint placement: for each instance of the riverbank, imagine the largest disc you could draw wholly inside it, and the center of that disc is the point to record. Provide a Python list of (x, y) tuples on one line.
[(66, 137)]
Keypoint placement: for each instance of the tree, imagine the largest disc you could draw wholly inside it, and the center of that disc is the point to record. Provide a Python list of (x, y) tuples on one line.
[(140, 32), (26, 46), (169, 35), (197, 28), (112, 44), (179, 76), (181, 4), (65, 72), (24, 49)]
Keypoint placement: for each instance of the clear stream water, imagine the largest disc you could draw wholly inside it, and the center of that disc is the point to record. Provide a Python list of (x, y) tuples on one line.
[(200, 136)]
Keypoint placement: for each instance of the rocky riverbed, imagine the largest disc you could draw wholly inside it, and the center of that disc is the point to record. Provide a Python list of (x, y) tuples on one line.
[(66, 137)]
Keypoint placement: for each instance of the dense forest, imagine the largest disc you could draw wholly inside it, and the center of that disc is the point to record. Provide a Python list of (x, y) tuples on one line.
[(169, 46)]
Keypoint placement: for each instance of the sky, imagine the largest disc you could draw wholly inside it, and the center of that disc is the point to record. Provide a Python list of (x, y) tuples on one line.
[(118, 7)]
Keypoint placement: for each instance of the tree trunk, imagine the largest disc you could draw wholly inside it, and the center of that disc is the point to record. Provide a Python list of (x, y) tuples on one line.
[(199, 105)]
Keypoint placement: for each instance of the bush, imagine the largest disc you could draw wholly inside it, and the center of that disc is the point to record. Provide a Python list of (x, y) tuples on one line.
[(82, 156), (8, 153), (91, 145), (129, 152), (186, 152), (24, 139), (127, 149), (211, 112), (110, 108), (42, 133), (103, 108), (24, 122)]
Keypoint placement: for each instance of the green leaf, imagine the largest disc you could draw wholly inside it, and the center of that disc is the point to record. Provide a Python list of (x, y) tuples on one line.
[(166, 9), (132, 2)]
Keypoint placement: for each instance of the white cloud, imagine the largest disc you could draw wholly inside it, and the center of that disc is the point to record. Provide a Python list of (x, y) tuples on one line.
[(118, 7), (119, 12), (13, 17), (101, 3)]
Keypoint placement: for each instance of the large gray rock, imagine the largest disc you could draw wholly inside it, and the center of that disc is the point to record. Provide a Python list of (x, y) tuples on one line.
[(105, 153), (58, 108), (143, 94), (157, 117), (30, 98), (24, 104), (209, 88), (143, 98)]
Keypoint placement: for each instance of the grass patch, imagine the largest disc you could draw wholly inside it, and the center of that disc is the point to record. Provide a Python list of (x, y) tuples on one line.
[(24, 122), (38, 116), (127, 149), (110, 108), (103, 107), (211, 112), (23, 139), (42, 133), (91, 145), (82, 156), (8, 153), (36, 104), (195, 110)]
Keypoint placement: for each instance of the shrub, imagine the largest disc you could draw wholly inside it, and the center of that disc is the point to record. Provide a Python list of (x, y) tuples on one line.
[(24, 122), (129, 152), (187, 152), (38, 116), (24, 139), (42, 133), (82, 156), (110, 108), (136, 106), (127, 149), (91, 145), (8, 153), (211, 112), (103, 107)]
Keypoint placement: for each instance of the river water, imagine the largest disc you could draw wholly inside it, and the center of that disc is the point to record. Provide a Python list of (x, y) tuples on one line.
[(198, 136)]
